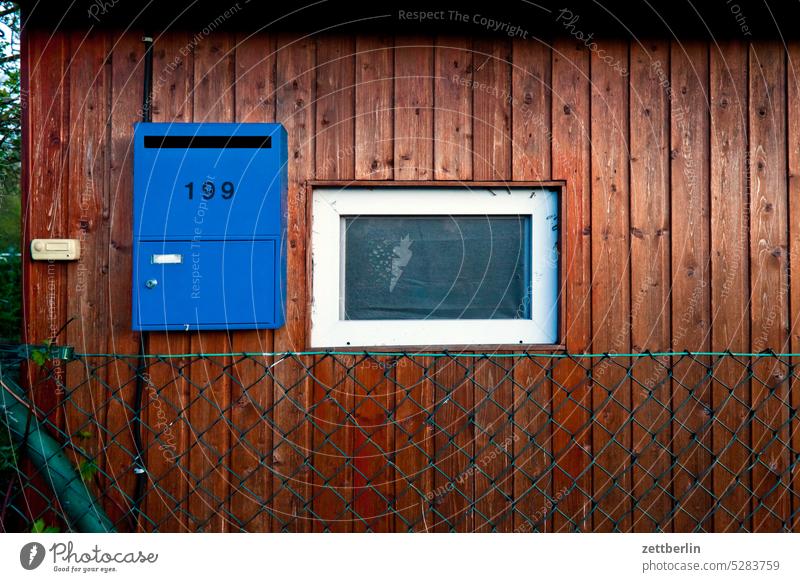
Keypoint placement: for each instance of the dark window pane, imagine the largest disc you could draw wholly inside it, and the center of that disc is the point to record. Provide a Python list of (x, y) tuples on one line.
[(437, 267)]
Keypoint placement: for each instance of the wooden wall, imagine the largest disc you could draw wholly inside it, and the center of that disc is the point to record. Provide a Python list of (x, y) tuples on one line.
[(682, 227)]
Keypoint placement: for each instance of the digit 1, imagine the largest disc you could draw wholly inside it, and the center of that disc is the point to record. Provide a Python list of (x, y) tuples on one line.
[(190, 187)]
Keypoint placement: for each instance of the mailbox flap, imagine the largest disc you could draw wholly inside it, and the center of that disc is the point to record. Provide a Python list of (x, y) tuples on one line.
[(197, 181), (185, 285)]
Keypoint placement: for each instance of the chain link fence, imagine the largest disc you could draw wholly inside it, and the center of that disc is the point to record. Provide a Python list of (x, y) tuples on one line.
[(344, 441)]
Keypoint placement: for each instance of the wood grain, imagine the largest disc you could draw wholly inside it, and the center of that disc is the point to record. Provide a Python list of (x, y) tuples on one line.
[(413, 108), (650, 280), (373, 394), (210, 435), (492, 383), (334, 139), (531, 136), (730, 285), (611, 302), (373, 108), (452, 121), (691, 317), (572, 397), (373, 445), (251, 385), (793, 146), (452, 390), (769, 283), (332, 388), (413, 390), (44, 190), (491, 110), (295, 109), (88, 221), (454, 445), (125, 106), (714, 233), (165, 408)]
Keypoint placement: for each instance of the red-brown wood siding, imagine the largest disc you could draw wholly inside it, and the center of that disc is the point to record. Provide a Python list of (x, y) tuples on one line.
[(680, 232)]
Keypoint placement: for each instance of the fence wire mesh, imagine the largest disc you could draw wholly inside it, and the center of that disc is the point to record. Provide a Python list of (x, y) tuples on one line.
[(334, 441)]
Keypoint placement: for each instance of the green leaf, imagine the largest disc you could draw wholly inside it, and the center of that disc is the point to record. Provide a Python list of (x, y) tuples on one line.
[(40, 527), (39, 358), (85, 434), (88, 470)]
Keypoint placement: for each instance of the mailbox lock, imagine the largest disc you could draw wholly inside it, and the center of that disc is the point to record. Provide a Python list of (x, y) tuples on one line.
[(150, 283)]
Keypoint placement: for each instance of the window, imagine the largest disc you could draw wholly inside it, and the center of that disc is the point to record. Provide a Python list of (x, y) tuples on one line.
[(423, 266)]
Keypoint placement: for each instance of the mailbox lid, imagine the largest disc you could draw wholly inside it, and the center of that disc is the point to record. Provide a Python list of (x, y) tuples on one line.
[(186, 285), (207, 180)]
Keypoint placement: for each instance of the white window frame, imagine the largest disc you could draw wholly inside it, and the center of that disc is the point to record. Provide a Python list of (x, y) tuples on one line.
[(331, 203)]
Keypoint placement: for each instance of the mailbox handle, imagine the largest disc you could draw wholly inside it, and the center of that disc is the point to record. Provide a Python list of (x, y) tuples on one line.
[(166, 259)]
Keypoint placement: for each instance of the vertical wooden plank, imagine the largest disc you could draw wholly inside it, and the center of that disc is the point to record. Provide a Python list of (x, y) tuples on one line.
[(793, 107), (413, 108), (531, 100), (611, 392), (252, 388), (691, 317), (45, 183), (453, 392), (491, 110), (333, 388), (650, 282), (295, 109), (88, 212), (769, 284), (210, 390), (454, 441), (335, 115), (494, 450), (373, 446), (730, 285), (126, 101), (571, 401), (493, 389), (332, 436), (373, 399), (374, 104), (166, 439), (413, 154), (452, 122), (531, 137), (414, 439)]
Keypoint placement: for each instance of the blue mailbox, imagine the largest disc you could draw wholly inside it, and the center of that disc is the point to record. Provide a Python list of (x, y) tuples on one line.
[(209, 226)]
